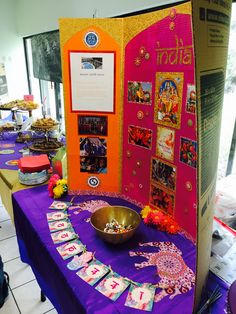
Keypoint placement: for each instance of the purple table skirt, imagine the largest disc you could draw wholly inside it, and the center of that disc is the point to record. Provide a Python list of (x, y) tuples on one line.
[(65, 289)]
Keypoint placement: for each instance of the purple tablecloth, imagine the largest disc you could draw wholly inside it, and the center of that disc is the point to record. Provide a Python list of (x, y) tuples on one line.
[(8, 145), (65, 289)]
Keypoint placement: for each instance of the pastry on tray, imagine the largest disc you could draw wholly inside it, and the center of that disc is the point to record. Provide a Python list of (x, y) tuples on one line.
[(44, 123), (46, 145), (20, 104), (8, 126)]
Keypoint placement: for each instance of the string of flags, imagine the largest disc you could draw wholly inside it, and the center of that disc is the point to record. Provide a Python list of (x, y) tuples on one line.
[(91, 270)]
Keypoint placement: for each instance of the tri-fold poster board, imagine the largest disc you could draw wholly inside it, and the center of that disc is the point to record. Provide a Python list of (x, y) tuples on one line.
[(143, 99)]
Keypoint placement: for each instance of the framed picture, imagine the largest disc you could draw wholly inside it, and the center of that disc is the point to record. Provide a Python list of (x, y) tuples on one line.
[(191, 99), (140, 92), (93, 146), (165, 143), (92, 125), (92, 164), (188, 152), (140, 136), (162, 199), (163, 173), (169, 89), (92, 81)]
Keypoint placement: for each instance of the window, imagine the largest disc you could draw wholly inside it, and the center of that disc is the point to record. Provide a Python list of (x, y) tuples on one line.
[(44, 74)]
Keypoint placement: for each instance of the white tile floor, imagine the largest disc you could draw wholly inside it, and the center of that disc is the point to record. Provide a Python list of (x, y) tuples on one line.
[(24, 292)]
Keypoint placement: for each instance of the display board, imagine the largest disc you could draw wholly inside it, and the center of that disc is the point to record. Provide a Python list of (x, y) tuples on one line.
[(143, 98)]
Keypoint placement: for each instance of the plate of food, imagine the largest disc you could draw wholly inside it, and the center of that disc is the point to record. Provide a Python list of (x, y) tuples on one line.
[(44, 124)]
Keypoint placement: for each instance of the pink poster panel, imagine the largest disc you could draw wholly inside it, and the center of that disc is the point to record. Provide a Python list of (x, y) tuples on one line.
[(159, 139)]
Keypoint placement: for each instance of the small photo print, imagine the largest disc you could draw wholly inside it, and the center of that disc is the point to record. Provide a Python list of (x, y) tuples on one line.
[(188, 152), (140, 92), (140, 136), (161, 199), (163, 173), (91, 63), (169, 89), (191, 99), (93, 164), (165, 143), (92, 125), (93, 146)]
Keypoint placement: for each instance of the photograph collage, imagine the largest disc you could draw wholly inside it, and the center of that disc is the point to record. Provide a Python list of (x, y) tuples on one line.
[(93, 148), (167, 105)]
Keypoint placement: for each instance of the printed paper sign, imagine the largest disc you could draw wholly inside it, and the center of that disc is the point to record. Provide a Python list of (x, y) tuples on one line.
[(140, 297), (93, 272), (70, 249), (63, 236), (112, 286), (55, 216), (59, 205), (59, 225)]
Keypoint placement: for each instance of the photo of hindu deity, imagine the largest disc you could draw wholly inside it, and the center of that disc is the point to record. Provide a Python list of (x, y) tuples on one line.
[(140, 92), (91, 63), (93, 146), (188, 152), (161, 199), (191, 99), (140, 136), (163, 173), (165, 143), (93, 164), (169, 88), (92, 125)]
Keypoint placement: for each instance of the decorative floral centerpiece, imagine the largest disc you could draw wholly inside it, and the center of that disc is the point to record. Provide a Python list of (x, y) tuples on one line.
[(157, 218), (57, 187)]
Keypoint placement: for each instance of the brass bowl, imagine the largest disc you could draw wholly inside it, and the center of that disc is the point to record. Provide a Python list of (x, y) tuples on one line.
[(124, 215)]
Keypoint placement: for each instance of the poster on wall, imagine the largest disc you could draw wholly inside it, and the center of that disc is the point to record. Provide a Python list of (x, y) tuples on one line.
[(92, 81), (169, 98), (3, 84)]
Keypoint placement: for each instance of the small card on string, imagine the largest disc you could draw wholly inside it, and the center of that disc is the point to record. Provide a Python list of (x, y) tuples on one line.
[(93, 272), (59, 205), (55, 216), (112, 286), (80, 261), (70, 249), (141, 296), (59, 225), (63, 236)]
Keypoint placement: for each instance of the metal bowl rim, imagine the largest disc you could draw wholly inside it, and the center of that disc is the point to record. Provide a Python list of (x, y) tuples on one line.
[(115, 234)]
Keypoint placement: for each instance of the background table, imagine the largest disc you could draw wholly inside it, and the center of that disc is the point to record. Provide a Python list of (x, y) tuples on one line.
[(8, 173), (65, 289)]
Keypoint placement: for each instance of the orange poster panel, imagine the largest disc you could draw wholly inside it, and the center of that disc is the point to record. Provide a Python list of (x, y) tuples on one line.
[(93, 110)]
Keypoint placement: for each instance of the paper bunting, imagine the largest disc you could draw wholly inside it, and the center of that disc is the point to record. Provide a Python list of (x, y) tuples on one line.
[(140, 296), (70, 249), (55, 216), (58, 205), (59, 225), (93, 272), (112, 286), (63, 236)]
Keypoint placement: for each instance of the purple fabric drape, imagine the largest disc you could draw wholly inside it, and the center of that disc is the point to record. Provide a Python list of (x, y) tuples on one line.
[(65, 289)]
